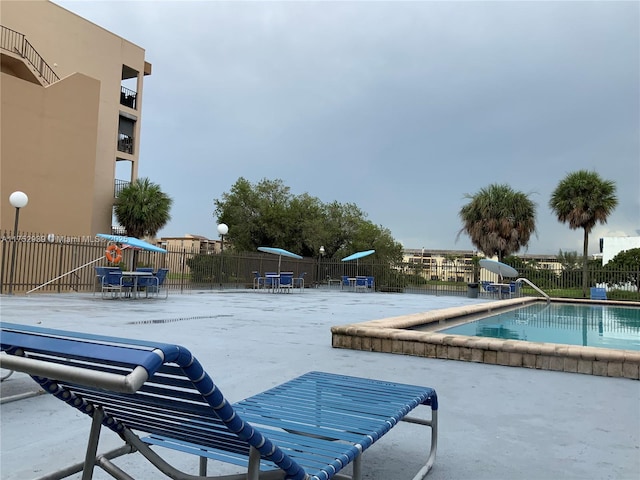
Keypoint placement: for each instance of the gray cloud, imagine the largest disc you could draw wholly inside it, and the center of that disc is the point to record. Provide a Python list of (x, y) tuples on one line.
[(400, 107)]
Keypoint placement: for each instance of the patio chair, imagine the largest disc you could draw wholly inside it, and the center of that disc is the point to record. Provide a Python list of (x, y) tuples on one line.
[(286, 281), (299, 281), (110, 281), (153, 395), (161, 276), (598, 293), (489, 287), (345, 282), (270, 279), (258, 281), (361, 283), (371, 283)]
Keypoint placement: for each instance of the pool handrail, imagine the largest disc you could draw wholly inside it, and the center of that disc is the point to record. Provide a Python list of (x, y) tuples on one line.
[(534, 286)]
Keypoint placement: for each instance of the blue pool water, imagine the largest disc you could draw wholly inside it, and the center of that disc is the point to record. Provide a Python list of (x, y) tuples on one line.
[(587, 325)]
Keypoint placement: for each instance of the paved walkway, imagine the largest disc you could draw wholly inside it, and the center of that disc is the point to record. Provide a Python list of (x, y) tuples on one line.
[(495, 422)]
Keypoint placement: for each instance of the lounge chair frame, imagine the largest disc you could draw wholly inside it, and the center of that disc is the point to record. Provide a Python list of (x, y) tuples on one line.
[(310, 427)]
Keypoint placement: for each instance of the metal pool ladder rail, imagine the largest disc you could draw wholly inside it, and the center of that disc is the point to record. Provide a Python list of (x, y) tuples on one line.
[(535, 287)]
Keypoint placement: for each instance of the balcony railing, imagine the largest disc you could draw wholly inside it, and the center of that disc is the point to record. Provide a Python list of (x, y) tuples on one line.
[(16, 43), (118, 186), (128, 97), (125, 143)]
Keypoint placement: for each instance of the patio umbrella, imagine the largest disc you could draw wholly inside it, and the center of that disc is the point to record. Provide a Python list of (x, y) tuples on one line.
[(500, 268), (357, 256), (132, 242), (280, 252)]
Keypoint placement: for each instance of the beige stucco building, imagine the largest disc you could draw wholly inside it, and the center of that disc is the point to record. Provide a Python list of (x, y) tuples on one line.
[(71, 108)]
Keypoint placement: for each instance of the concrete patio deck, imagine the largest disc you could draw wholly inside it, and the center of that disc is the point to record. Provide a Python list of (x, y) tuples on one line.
[(496, 422)]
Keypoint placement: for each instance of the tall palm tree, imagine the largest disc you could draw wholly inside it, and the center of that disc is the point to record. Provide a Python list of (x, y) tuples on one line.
[(583, 199), (498, 220), (142, 208)]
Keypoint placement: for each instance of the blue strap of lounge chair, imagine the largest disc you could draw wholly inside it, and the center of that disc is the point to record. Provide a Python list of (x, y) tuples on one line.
[(225, 411), (152, 362)]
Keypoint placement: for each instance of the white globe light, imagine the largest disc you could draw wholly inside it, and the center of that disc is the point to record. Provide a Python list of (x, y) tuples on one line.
[(223, 229), (18, 199)]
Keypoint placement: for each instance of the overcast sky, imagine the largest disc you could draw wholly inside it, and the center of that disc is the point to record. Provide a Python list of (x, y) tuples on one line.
[(399, 107)]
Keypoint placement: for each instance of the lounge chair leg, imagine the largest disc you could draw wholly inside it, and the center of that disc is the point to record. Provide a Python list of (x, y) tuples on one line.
[(92, 444), (357, 468), (433, 423), (253, 471), (203, 466)]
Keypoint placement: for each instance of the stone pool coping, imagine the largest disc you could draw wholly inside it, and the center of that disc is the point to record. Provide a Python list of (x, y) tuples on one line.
[(390, 335)]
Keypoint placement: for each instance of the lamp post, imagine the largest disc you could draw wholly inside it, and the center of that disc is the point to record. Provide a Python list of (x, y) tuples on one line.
[(320, 263), (223, 229), (17, 200)]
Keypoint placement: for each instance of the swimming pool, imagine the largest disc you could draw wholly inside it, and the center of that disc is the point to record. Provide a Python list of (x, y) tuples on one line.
[(427, 335), (602, 326)]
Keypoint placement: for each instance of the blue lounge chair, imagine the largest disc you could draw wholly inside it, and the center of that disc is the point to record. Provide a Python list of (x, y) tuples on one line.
[(154, 394), (598, 293)]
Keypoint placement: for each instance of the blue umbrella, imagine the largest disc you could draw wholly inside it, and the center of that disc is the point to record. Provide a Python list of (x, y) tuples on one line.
[(357, 256), (280, 252), (132, 242)]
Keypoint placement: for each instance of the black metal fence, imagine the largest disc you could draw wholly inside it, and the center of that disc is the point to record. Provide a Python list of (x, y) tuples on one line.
[(49, 263)]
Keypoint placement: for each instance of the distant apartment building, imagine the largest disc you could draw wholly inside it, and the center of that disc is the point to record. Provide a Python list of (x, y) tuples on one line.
[(71, 96), (457, 265), (191, 244)]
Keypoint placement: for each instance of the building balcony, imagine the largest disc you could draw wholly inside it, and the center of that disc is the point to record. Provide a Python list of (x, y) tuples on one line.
[(125, 143), (128, 97)]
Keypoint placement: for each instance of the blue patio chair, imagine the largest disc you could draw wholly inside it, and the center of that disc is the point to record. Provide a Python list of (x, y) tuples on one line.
[(361, 283), (371, 283), (286, 281), (161, 276), (101, 273), (489, 287), (153, 394), (153, 285), (598, 293), (345, 282), (299, 282), (110, 279), (258, 281), (270, 279)]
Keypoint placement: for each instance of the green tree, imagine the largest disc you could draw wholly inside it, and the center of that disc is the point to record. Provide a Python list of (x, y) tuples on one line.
[(142, 208), (267, 214), (583, 199), (498, 220)]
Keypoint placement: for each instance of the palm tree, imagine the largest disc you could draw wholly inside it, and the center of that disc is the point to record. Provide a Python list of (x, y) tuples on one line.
[(498, 220), (142, 208), (582, 199)]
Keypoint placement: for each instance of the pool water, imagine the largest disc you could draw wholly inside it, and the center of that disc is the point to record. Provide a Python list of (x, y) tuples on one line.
[(601, 326)]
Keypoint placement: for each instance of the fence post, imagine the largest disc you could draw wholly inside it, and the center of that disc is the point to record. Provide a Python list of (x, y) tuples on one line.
[(184, 255)]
